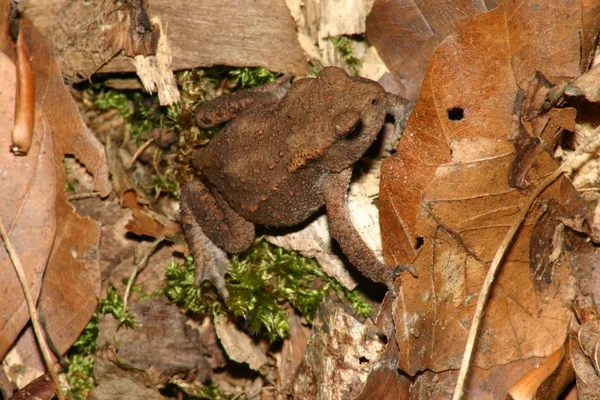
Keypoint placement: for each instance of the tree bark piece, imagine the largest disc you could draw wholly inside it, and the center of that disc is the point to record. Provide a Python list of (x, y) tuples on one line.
[(202, 33)]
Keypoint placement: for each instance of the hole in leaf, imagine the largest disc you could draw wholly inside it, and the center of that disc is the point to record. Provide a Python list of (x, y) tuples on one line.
[(363, 360), (419, 242), (456, 114)]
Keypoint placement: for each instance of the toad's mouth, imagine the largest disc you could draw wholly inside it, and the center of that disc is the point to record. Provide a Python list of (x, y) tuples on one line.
[(397, 113), (391, 131)]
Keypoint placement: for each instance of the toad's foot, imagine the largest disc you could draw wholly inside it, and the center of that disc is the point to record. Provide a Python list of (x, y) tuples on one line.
[(395, 273)]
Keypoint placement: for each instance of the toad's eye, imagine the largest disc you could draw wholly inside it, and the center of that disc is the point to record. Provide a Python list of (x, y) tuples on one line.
[(375, 102)]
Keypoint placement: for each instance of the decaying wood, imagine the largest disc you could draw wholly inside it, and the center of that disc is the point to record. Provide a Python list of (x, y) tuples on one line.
[(319, 20), (201, 34), (170, 346), (341, 351)]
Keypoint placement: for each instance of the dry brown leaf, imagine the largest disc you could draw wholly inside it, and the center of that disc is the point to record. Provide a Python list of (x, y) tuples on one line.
[(588, 380), (145, 222), (492, 384), (446, 202), (42, 388), (27, 208), (406, 32), (239, 346), (585, 349), (71, 283), (51, 238)]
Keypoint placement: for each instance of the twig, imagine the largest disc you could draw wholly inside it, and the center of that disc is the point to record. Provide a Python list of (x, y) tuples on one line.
[(137, 267), (35, 321), (496, 263), (80, 196), (139, 152)]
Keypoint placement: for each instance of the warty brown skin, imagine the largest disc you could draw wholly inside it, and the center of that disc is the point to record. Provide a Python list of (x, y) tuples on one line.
[(283, 158)]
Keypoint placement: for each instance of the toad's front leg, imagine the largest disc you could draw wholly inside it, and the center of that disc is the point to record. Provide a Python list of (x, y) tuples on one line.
[(353, 246)]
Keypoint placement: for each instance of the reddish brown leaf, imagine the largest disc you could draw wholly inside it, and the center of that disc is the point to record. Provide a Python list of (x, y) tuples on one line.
[(72, 280), (45, 228), (27, 209), (43, 388), (406, 32), (71, 134), (446, 202), (143, 222), (25, 100)]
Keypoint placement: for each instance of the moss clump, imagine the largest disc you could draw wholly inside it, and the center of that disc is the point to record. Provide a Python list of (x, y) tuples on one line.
[(114, 305), (80, 358), (180, 289), (343, 45), (261, 282), (250, 77)]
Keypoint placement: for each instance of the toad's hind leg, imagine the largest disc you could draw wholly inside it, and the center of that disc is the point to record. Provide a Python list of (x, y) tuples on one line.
[(226, 228), (210, 227)]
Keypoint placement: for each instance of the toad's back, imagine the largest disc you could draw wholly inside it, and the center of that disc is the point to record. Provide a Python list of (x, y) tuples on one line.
[(269, 163)]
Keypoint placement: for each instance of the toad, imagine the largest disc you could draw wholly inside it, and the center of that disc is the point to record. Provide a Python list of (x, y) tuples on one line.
[(281, 159)]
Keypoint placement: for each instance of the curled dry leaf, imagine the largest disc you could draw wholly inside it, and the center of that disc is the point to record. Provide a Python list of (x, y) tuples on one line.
[(27, 207), (239, 346), (406, 32), (588, 380), (51, 238), (585, 352), (446, 203), (25, 100)]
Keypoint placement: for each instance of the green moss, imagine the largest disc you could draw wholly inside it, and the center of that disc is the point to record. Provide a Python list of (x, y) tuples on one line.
[(251, 77), (196, 390), (167, 184), (180, 289), (80, 359), (343, 45), (107, 99), (262, 281), (140, 110), (114, 305)]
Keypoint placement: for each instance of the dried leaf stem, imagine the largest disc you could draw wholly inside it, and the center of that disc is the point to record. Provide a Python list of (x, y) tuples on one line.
[(139, 265), (25, 100), (139, 152), (497, 262), (35, 320)]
